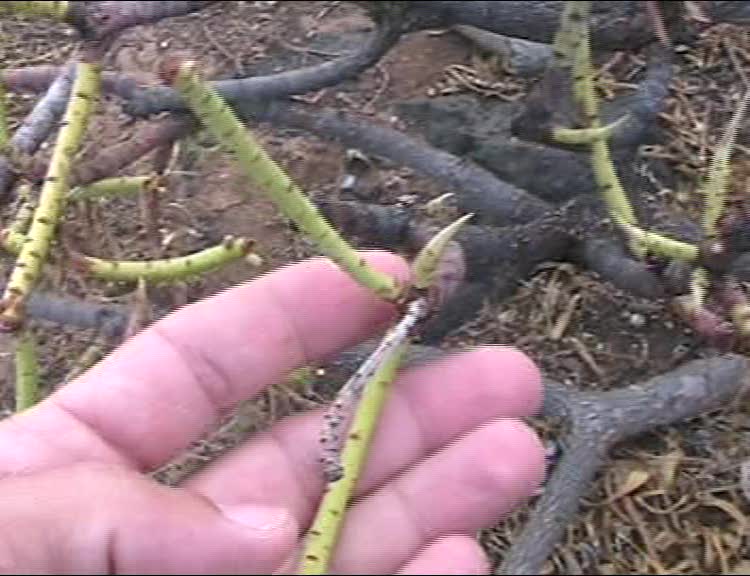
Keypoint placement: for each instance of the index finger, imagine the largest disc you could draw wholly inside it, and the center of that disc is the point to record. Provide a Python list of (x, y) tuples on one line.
[(167, 386)]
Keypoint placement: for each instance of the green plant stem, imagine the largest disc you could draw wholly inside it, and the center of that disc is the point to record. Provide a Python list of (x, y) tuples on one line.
[(113, 187), (169, 269), (576, 136), (568, 37), (35, 249), (37, 9), (573, 35), (604, 171), (27, 371), (715, 189), (644, 242), (223, 125), (325, 530)]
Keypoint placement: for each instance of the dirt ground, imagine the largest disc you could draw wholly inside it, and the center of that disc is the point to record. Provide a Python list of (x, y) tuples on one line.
[(670, 502)]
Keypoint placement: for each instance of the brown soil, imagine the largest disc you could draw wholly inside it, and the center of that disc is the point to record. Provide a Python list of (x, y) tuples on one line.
[(669, 502)]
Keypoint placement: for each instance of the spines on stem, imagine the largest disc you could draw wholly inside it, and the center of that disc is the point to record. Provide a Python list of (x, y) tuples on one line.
[(34, 251), (645, 242), (568, 38), (170, 269), (323, 534), (27, 371), (425, 265), (338, 415), (715, 188), (114, 187), (260, 169), (574, 25)]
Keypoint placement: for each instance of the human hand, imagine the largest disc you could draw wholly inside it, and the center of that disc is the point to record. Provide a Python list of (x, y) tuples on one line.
[(449, 456)]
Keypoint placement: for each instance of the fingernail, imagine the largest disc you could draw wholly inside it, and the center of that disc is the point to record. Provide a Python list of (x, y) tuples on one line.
[(255, 517)]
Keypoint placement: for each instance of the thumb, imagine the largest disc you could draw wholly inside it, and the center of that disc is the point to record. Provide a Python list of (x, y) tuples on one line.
[(97, 519)]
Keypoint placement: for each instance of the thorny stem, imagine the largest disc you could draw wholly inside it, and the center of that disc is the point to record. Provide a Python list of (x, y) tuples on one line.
[(613, 194), (169, 269), (572, 43), (717, 182), (35, 249), (111, 187), (222, 123), (13, 237), (646, 242), (324, 532), (335, 421), (27, 371)]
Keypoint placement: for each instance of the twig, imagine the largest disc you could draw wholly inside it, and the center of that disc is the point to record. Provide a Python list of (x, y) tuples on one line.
[(27, 371), (170, 269), (260, 169), (109, 161), (326, 527), (34, 252)]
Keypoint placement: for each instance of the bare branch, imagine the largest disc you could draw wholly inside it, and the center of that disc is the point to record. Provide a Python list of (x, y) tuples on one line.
[(477, 190), (42, 120), (108, 161), (147, 101), (614, 25), (37, 79), (599, 420)]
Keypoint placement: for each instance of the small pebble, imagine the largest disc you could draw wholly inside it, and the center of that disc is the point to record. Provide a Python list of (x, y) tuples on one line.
[(637, 320)]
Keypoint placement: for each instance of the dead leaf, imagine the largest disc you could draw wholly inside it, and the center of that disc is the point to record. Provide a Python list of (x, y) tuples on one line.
[(634, 480)]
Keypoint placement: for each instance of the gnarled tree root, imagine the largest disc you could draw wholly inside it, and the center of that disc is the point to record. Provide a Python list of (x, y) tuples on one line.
[(599, 420)]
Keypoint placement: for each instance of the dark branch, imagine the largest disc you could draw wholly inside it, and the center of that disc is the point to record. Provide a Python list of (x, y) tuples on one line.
[(147, 101), (496, 259), (108, 319), (599, 420), (477, 190), (37, 79), (108, 161), (526, 58), (614, 25), (43, 119)]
